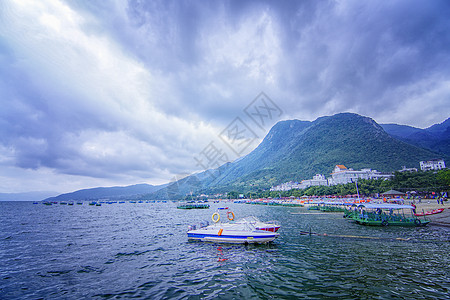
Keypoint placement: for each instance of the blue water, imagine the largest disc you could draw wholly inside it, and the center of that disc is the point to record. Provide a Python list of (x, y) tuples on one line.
[(122, 251)]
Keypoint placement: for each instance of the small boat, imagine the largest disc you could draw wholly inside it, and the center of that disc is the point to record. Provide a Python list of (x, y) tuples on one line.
[(431, 212), (242, 232)]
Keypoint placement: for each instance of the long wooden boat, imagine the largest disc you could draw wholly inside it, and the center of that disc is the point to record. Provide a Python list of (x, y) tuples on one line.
[(193, 206), (385, 215), (429, 213)]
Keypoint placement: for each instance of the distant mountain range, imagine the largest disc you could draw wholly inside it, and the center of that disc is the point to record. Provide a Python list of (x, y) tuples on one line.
[(297, 150), (112, 193), (435, 138)]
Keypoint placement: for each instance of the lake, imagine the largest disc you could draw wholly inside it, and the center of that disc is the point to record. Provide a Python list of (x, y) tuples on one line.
[(121, 251)]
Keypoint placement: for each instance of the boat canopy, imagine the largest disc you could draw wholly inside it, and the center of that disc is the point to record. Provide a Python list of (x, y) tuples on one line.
[(386, 206)]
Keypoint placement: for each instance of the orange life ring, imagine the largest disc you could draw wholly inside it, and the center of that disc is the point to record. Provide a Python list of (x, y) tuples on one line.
[(232, 215)]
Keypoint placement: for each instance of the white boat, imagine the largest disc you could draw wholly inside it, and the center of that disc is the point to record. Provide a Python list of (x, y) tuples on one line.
[(240, 232)]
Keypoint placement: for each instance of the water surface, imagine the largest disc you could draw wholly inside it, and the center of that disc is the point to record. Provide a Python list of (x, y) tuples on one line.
[(121, 251)]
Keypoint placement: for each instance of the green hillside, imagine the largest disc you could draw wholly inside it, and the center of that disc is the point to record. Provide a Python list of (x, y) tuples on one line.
[(297, 150)]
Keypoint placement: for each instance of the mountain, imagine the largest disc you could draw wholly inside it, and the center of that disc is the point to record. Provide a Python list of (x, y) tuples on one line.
[(435, 138), (296, 150), (349, 139), (112, 193), (28, 196)]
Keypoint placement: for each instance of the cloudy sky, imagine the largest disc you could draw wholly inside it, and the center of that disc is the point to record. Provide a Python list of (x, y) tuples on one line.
[(103, 93)]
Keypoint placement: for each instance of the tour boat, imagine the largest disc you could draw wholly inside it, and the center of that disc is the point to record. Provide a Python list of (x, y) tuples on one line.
[(244, 231), (385, 215)]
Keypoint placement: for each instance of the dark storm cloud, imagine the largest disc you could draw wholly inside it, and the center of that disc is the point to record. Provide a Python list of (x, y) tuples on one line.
[(367, 56), (132, 90)]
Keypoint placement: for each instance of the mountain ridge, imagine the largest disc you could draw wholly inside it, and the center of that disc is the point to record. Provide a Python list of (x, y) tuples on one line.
[(296, 150), (435, 138)]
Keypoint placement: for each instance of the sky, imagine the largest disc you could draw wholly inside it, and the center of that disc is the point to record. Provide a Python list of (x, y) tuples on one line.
[(105, 93)]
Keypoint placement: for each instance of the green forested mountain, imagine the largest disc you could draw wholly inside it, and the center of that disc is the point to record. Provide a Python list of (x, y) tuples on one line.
[(296, 150)]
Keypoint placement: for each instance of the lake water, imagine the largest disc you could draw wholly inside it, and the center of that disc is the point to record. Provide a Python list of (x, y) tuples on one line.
[(122, 251)]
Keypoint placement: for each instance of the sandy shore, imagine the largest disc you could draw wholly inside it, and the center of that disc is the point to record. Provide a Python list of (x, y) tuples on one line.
[(442, 219)]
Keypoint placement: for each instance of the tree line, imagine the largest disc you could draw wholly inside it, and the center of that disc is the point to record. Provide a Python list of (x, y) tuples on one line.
[(421, 183)]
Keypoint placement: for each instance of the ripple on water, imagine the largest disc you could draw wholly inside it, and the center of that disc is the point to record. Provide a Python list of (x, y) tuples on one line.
[(129, 250)]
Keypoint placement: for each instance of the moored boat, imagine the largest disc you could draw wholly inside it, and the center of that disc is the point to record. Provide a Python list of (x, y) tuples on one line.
[(240, 232), (193, 206), (429, 213), (385, 215)]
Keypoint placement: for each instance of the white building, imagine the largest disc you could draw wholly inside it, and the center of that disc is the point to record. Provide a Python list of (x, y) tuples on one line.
[(318, 179), (342, 175), (287, 186), (405, 169), (434, 164)]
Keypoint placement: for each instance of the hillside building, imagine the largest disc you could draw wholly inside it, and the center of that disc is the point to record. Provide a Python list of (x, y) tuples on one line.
[(317, 180), (405, 169), (434, 164), (342, 175), (287, 186)]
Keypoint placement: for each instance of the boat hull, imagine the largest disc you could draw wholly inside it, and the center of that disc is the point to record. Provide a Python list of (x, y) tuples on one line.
[(415, 223), (231, 236), (429, 213)]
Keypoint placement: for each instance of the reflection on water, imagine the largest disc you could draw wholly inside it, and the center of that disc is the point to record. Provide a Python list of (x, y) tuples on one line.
[(141, 250)]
